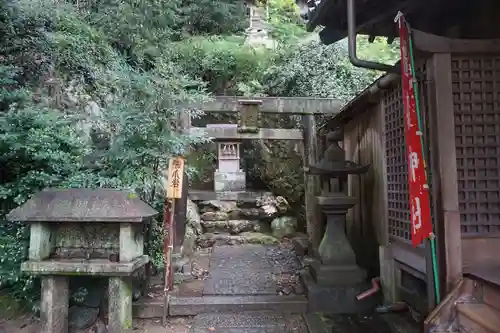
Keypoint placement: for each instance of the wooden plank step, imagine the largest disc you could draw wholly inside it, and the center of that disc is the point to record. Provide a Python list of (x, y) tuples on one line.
[(480, 315)]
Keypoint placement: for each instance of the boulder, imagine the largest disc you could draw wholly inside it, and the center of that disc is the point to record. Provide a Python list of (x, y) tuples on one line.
[(209, 239), (214, 216), (248, 213), (80, 318), (193, 218), (215, 226), (237, 226), (189, 242), (283, 226), (217, 205), (272, 205)]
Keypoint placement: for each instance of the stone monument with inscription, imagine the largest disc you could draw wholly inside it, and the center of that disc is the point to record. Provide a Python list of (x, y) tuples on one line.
[(335, 279)]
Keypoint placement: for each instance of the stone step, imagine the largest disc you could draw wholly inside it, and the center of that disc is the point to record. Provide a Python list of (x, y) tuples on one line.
[(210, 239), (235, 227), (186, 306), (190, 306), (236, 213), (249, 322)]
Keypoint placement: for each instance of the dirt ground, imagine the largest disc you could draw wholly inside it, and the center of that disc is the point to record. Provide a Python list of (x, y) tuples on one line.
[(30, 324)]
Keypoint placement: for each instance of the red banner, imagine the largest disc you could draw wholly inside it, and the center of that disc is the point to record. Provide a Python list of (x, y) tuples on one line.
[(420, 210)]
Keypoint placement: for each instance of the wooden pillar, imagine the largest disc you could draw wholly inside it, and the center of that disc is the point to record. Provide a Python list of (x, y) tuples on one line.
[(445, 188), (311, 183)]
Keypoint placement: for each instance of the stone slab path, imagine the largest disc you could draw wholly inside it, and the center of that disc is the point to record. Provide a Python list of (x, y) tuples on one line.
[(258, 322), (252, 270)]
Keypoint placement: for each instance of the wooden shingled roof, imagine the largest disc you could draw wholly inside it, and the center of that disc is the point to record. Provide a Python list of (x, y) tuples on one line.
[(83, 205)]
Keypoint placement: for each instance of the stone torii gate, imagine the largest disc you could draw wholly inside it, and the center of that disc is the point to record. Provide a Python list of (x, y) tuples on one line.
[(229, 179)]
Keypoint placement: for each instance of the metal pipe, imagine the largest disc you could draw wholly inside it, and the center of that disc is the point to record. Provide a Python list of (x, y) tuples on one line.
[(375, 288), (351, 37)]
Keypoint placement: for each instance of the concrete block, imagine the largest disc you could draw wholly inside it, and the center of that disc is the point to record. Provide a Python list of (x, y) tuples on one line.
[(54, 304)]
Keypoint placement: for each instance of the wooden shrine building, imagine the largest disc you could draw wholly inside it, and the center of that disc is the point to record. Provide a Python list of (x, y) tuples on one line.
[(457, 47)]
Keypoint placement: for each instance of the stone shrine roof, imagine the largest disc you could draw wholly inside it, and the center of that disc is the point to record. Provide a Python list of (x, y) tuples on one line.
[(82, 205)]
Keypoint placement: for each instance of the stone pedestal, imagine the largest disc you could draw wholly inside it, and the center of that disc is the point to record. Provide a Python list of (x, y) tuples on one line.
[(335, 279), (54, 304)]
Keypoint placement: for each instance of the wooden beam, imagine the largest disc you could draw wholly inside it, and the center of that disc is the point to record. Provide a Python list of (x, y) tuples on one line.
[(448, 223), (233, 134), (289, 105), (431, 43)]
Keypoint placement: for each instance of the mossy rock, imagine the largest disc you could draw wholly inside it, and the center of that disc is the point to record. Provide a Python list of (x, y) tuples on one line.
[(249, 237)]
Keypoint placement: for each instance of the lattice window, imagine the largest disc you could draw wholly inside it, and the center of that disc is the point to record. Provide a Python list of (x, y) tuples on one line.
[(397, 166), (397, 170), (476, 101)]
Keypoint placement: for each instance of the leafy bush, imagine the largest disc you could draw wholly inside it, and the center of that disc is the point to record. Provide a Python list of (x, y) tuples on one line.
[(226, 65), (39, 147), (106, 123)]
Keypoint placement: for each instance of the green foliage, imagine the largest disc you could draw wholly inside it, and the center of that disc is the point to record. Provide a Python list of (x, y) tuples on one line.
[(142, 30), (39, 147), (106, 123), (287, 27), (315, 70), (226, 65)]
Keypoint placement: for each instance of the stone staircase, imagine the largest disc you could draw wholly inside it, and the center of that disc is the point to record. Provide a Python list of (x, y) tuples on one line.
[(241, 265), (472, 307)]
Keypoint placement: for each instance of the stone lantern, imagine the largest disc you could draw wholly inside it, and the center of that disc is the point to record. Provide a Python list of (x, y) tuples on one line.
[(335, 279)]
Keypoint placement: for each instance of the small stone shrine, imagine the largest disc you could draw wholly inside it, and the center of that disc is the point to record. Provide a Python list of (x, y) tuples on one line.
[(84, 232), (229, 176), (335, 279)]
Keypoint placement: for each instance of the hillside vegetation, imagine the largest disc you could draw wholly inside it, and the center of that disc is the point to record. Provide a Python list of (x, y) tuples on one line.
[(90, 92)]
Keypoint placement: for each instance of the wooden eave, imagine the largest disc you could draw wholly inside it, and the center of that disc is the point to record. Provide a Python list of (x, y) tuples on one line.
[(373, 17)]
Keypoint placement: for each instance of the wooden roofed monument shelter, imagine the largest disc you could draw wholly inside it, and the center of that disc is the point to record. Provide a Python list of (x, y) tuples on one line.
[(457, 69)]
